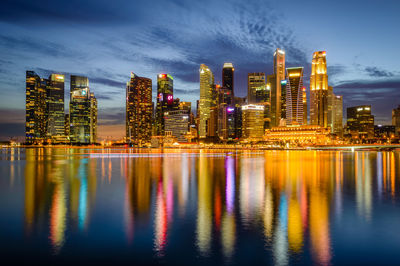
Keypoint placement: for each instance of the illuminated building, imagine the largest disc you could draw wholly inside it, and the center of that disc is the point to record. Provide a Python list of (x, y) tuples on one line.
[(228, 78), (276, 89), (238, 116), (82, 111), (55, 108), (207, 98), (253, 121), (138, 110), (360, 122), (319, 90), (396, 119), (93, 118), (336, 115), (44, 108), (226, 114), (256, 89), (384, 131), (177, 123), (305, 120), (311, 134), (259, 92), (165, 100), (35, 126), (294, 96)]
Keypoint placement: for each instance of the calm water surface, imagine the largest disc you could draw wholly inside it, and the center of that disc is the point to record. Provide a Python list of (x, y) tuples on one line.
[(126, 206)]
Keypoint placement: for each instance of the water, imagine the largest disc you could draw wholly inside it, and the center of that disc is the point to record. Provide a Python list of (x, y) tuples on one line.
[(191, 207)]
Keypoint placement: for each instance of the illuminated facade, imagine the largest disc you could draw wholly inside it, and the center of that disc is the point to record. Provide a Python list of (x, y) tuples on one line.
[(207, 98), (259, 92), (256, 88), (337, 115), (165, 100), (93, 118), (396, 119), (226, 114), (55, 108), (35, 106), (306, 134), (44, 109), (276, 89), (177, 123), (294, 96), (228, 78), (83, 120), (305, 120), (253, 122), (360, 122), (139, 110), (319, 90)]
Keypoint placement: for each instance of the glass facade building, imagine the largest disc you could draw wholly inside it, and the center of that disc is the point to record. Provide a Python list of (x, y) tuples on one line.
[(294, 96), (319, 90), (138, 110), (165, 100)]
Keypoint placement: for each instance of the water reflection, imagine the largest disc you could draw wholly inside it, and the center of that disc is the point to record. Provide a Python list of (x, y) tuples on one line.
[(288, 200)]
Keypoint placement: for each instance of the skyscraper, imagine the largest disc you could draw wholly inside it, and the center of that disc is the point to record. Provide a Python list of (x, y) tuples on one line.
[(256, 89), (253, 124), (35, 106), (337, 113), (259, 92), (55, 117), (396, 119), (228, 78), (207, 98), (93, 118), (319, 90), (294, 96), (177, 123), (165, 100), (82, 117), (305, 120), (360, 122), (276, 88), (138, 110)]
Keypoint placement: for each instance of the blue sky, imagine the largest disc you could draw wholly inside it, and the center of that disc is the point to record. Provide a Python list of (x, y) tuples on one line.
[(106, 40)]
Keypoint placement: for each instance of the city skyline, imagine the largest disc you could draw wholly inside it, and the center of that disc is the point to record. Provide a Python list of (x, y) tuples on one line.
[(364, 74)]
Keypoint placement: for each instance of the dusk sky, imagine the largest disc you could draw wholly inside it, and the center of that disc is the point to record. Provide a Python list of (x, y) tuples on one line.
[(106, 40)]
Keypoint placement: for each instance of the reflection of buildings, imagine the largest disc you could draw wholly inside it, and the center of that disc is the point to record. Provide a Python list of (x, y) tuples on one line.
[(47, 193)]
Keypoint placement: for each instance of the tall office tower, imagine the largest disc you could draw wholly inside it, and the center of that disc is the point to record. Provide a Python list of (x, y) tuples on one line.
[(207, 98), (276, 88), (305, 121), (165, 100), (93, 118), (228, 78), (226, 114), (337, 115), (259, 92), (319, 90), (177, 124), (294, 96), (396, 119), (271, 86), (139, 110), (256, 89), (55, 108), (253, 124), (330, 100), (360, 122), (35, 126), (80, 111)]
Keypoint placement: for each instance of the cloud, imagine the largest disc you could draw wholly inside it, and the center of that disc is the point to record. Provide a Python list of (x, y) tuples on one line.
[(369, 84), (376, 72), (109, 82)]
